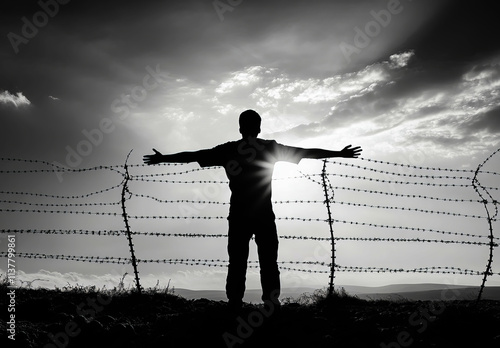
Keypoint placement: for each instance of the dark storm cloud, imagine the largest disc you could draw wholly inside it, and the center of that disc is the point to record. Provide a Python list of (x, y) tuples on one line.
[(488, 121), (85, 57), (106, 43), (109, 42), (463, 31), (91, 53), (427, 106), (449, 51)]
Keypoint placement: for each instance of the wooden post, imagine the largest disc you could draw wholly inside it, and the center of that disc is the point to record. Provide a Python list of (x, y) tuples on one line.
[(330, 222), (477, 185), (125, 219)]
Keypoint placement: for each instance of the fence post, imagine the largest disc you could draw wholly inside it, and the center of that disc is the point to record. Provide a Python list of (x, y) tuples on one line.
[(330, 222), (475, 184), (125, 219)]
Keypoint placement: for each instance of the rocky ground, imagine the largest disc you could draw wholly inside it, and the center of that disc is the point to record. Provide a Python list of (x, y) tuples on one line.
[(90, 318)]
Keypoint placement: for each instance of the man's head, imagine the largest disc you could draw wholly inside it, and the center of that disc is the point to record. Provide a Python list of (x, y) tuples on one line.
[(250, 123)]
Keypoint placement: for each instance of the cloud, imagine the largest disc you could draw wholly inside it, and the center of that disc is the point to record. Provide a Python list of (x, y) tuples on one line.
[(318, 105), (462, 31), (240, 79), (488, 121), (210, 278), (194, 278), (409, 103), (398, 101), (51, 279), (400, 60), (18, 99)]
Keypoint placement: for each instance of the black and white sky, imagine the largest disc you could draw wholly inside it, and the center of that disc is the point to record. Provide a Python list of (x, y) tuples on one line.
[(396, 77)]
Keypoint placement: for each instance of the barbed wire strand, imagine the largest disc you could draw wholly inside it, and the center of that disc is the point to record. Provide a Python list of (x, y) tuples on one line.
[(252, 264), (116, 233)]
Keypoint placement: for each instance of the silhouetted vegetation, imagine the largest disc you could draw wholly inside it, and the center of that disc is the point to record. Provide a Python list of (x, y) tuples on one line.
[(159, 318)]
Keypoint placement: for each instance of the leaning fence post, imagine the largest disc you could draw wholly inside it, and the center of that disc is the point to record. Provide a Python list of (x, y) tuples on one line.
[(330, 222), (125, 219), (492, 245)]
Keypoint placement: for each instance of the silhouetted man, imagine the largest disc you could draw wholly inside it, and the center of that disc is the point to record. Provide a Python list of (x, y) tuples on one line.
[(249, 164)]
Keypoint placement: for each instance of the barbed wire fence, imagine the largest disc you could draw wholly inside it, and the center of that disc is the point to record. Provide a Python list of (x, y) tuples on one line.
[(382, 186)]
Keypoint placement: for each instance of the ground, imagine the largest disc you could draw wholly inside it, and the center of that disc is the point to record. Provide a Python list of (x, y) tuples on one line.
[(86, 317)]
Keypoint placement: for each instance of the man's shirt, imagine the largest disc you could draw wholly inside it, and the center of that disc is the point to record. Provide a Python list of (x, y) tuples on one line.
[(249, 165)]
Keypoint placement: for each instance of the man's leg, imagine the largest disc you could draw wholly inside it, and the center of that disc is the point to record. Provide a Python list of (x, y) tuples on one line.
[(238, 239), (266, 239)]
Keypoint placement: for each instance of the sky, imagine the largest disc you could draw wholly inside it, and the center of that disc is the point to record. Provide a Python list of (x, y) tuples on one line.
[(84, 83)]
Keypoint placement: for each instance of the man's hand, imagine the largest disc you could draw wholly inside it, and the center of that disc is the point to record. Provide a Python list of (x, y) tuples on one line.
[(349, 152), (153, 159)]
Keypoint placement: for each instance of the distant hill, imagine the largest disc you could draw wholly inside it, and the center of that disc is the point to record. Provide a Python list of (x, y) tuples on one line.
[(423, 292)]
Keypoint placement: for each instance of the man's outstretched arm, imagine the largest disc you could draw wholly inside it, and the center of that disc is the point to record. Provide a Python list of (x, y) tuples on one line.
[(180, 157), (346, 152)]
